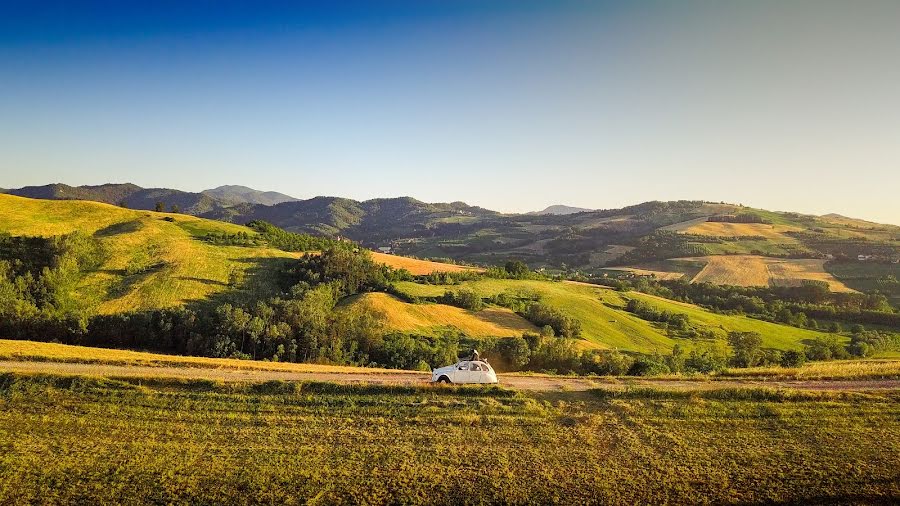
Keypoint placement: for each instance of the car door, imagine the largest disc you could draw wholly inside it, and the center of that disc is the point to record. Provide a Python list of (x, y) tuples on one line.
[(477, 373), (462, 373)]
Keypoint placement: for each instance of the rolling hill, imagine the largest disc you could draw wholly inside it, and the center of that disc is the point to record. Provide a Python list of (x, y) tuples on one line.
[(607, 325), (664, 239), (161, 260), (152, 262)]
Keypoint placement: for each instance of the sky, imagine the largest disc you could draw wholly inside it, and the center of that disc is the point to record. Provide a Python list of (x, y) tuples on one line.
[(514, 105)]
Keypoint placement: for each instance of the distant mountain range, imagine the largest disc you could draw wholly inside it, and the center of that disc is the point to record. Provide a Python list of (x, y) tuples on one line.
[(241, 194), (559, 236), (561, 210)]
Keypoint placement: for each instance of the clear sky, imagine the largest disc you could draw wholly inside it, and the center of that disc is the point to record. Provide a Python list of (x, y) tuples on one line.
[(511, 105)]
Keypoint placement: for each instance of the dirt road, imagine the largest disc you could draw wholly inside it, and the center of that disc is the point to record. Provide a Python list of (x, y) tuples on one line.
[(520, 382)]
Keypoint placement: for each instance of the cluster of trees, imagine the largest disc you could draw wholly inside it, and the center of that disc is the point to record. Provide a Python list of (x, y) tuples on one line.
[(277, 238), (466, 299), (675, 321), (660, 245), (236, 239), (738, 218), (290, 241), (562, 324), (803, 306), (38, 277)]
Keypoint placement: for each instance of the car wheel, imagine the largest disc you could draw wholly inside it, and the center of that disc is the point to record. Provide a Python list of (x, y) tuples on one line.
[(444, 379)]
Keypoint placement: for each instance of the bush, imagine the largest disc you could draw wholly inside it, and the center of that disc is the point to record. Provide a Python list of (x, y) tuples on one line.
[(649, 366), (792, 358)]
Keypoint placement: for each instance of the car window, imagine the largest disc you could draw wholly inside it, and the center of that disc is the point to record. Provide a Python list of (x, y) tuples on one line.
[(463, 366), (477, 367)]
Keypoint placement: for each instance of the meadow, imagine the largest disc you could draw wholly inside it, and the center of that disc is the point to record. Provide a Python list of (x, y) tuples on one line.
[(34, 351), (89, 440), (439, 319), (607, 325)]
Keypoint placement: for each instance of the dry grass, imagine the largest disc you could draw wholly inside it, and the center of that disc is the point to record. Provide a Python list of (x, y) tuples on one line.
[(844, 369), (792, 272), (419, 267), (752, 270), (427, 318), (52, 352), (721, 229), (740, 270)]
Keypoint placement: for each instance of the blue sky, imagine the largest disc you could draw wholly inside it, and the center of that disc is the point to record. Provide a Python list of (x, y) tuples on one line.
[(511, 105)]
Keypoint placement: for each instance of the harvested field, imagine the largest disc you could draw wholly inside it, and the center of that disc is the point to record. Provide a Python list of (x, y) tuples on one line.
[(742, 270), (419, 267), (750, 270), (739, 270)]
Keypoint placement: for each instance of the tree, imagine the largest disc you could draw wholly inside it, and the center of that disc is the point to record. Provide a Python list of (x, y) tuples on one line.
[(516, 268), (175, 208), (160, 207), (514, 351), (747, 348)]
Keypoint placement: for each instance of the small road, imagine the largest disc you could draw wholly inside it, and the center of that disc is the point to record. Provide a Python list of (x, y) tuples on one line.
[(515, 381)]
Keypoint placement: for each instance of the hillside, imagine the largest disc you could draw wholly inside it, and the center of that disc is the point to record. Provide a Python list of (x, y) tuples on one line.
[(152, 263), (160, 260), (126, 195), (607, 325), (666, 240)]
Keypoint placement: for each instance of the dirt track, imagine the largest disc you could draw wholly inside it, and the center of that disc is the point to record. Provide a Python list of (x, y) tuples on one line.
[(520, 382)]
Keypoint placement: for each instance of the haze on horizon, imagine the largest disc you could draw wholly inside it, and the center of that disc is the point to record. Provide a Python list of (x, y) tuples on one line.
[(511, 105)]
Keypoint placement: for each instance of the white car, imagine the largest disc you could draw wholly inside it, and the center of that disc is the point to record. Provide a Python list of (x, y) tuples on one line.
[(465, 371)]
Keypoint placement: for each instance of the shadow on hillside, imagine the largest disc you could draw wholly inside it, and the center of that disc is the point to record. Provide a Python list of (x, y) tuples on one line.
[(129, 281), (262, 279), (126, 227), (203, 280)]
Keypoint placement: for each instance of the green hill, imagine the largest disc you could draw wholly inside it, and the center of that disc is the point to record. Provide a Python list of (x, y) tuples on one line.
[(163, 260), (151, 262), (606, 323)]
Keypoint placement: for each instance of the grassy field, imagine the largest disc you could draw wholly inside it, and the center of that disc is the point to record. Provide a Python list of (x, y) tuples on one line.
[(434, 319), (842, 369), (606, 324), (153, 263), (53, 352), (33, 351), (90, 441)]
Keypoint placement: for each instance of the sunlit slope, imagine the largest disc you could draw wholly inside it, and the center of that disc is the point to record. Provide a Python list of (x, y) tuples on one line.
[(607, 324), (418, 267), (437, 319), (742, 270), (151, 262)]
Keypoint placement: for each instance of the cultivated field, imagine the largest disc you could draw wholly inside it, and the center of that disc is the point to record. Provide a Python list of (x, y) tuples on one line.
[(419, 267), (742, 270), (435, 319), (751, 270), (90, 441), (723, 229)]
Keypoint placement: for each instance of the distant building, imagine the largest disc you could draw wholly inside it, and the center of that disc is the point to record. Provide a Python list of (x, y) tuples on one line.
[(863, 258), (385, 249)]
